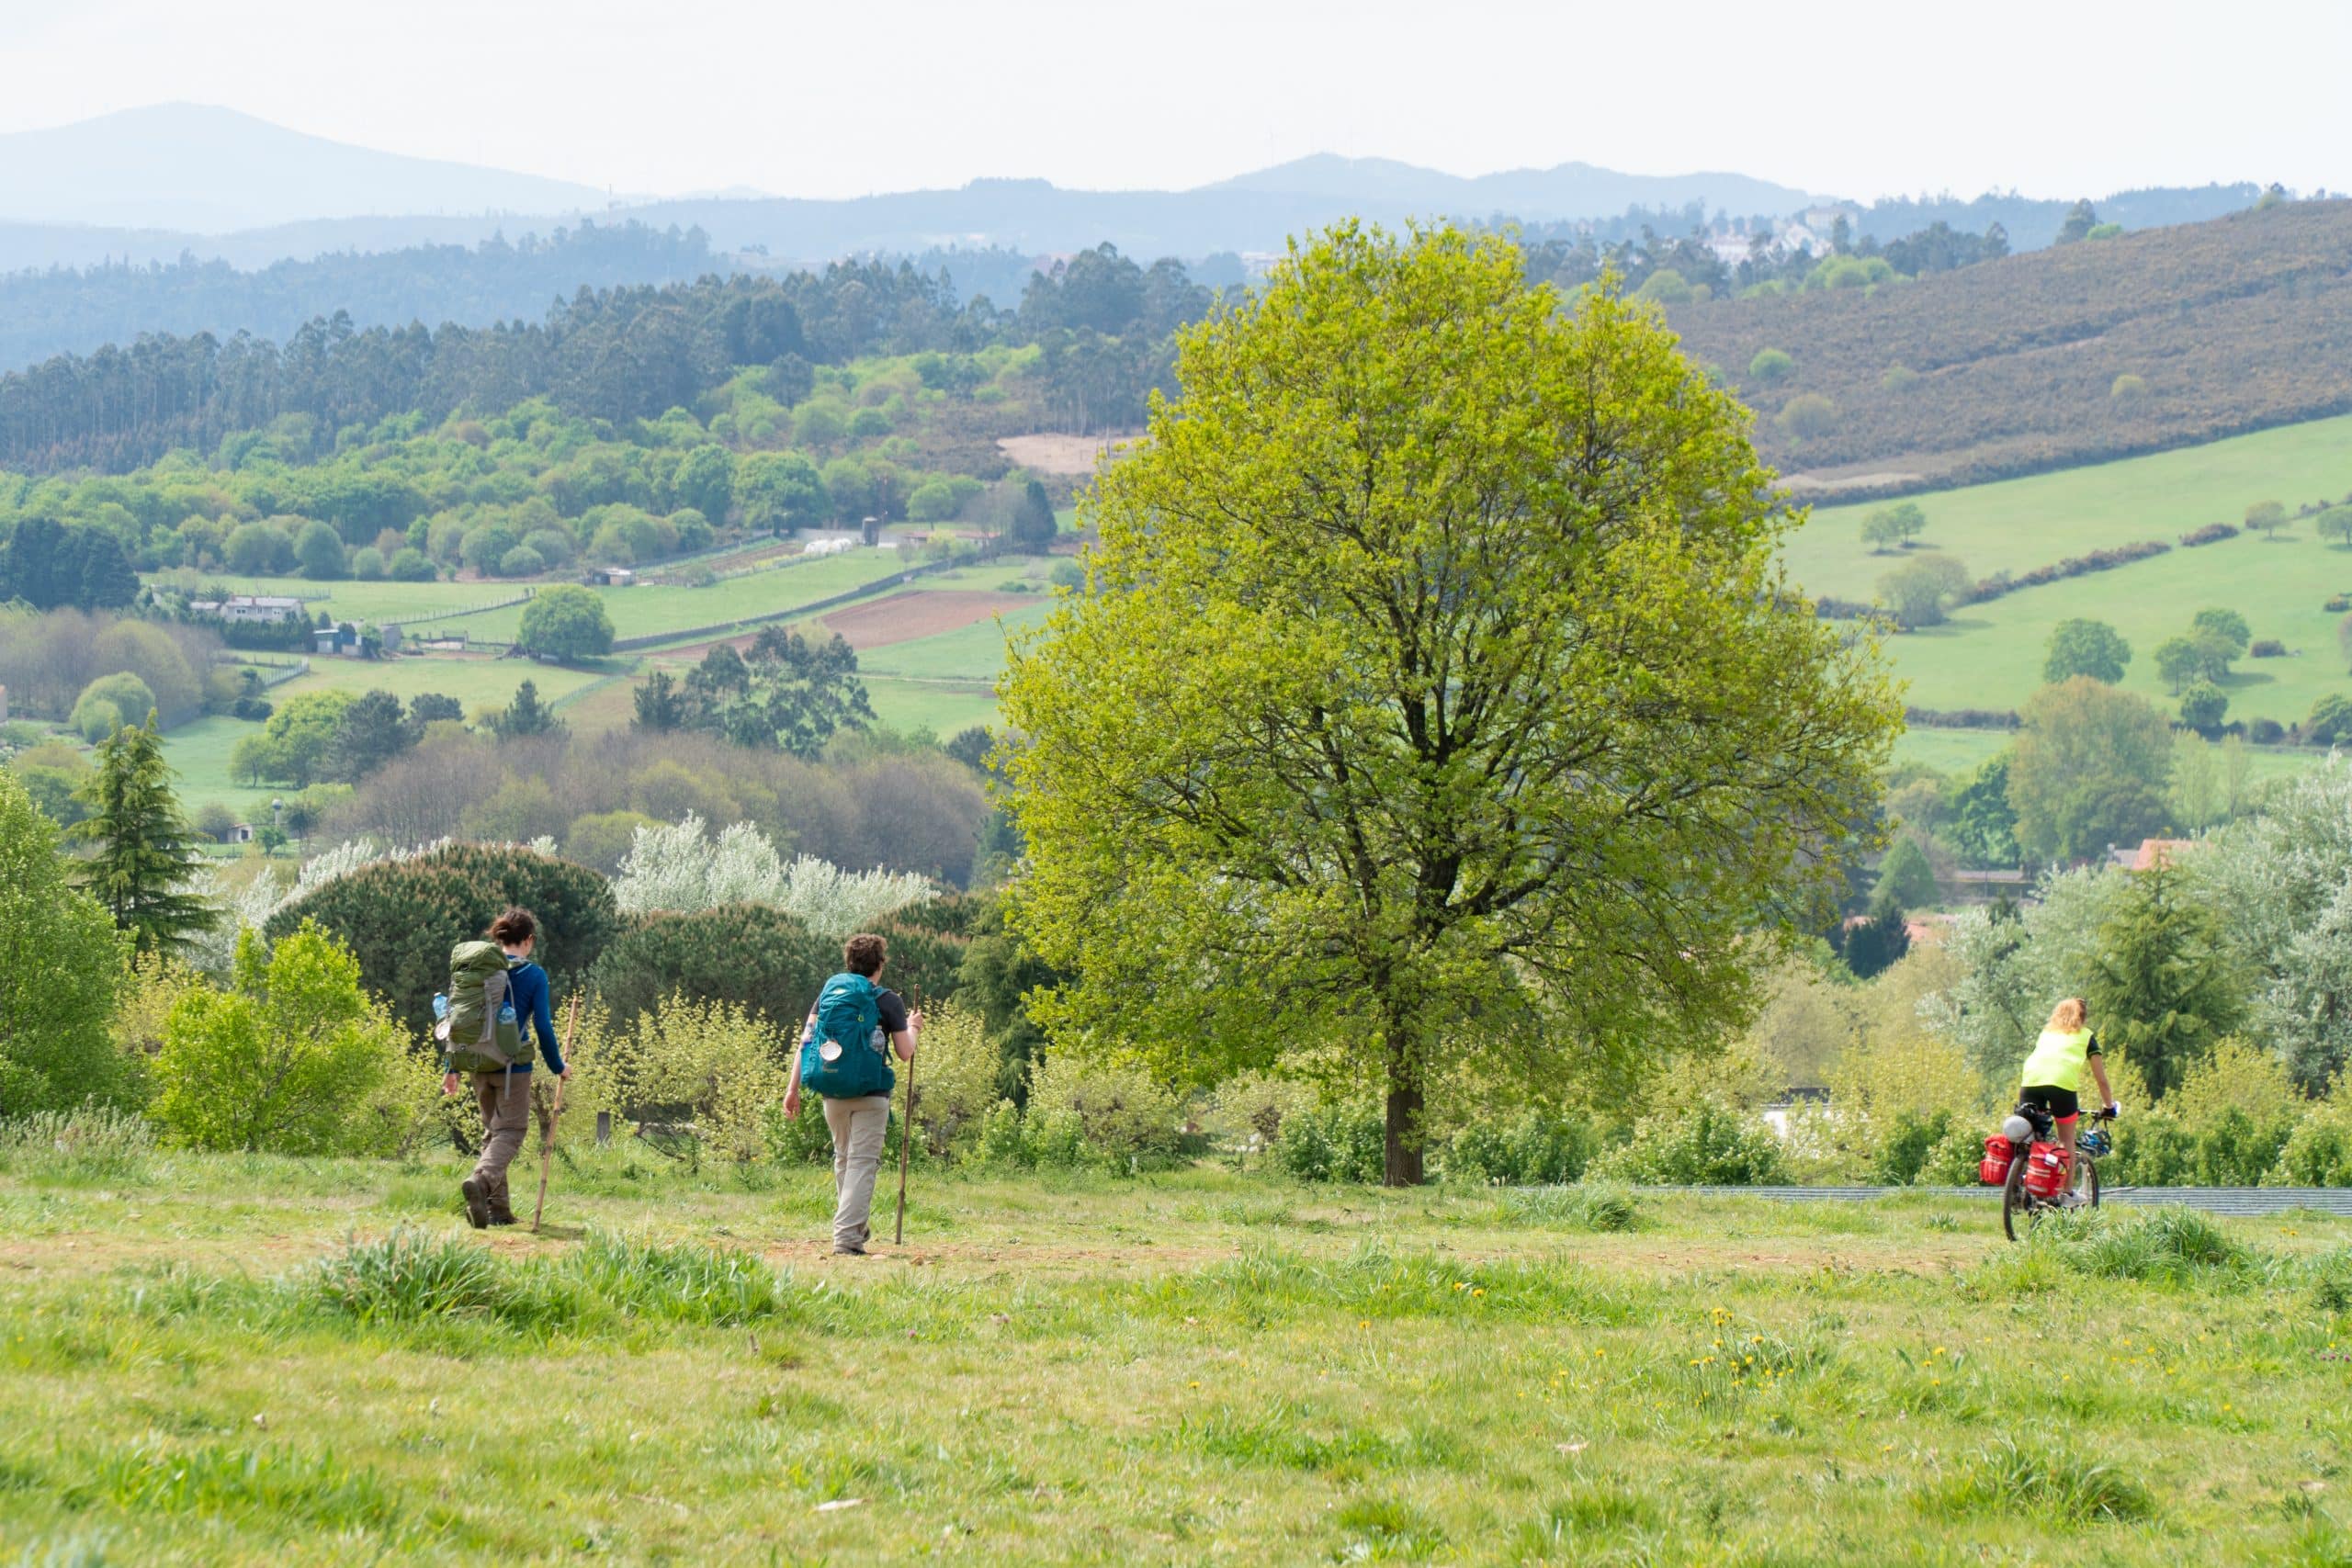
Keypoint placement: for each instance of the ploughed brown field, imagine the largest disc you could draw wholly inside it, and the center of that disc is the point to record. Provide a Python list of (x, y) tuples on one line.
[(904, 618)]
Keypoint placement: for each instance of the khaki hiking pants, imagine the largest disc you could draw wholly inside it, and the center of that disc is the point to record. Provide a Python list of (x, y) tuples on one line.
[(505, 1100), (858, 1127)]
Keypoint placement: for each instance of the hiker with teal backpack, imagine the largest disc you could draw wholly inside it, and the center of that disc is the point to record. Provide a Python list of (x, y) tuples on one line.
[(497, 1005), (842, 1061)]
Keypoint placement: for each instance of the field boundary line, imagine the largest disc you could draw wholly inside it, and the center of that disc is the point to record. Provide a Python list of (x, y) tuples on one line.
[(2240, 1201)]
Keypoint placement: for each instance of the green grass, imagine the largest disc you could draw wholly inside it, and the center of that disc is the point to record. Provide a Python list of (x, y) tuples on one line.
[(942, 706), (378, 601), (651, 609), (2018, 524), (969, 652), (1990, 655), (248, 1360)]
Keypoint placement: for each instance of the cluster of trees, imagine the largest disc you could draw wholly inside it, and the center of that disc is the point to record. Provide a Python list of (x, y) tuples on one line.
[(50, 662), (49, 567), (1894, 527), (785, 691), (2228, 325), (877, 800), (619, 354)]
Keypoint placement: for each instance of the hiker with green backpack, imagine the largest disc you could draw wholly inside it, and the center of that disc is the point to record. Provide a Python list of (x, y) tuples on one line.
[(496, 1004), (843, 1060)]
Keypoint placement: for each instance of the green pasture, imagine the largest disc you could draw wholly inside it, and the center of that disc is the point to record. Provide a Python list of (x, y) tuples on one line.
[(250, 1359), (942, 706), (2018, 524), (970, 652), (653, 608), (1960, 751), (378, 601)]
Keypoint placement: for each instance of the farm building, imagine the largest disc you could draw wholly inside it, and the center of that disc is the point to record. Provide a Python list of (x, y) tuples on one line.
[(609, 577), (248, 607)]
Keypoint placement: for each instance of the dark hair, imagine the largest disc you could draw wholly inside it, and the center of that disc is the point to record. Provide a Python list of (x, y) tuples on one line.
[(864, 953), (513, 928)]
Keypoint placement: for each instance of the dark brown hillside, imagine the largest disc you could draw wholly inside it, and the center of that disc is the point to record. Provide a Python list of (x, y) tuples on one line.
[(2232, 325)]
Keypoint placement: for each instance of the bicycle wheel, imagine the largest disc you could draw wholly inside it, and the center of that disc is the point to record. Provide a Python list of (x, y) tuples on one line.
[(2087, 1181), (2016, 1203)]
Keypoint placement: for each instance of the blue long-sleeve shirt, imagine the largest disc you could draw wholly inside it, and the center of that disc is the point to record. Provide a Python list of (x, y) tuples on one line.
[(526, 986)]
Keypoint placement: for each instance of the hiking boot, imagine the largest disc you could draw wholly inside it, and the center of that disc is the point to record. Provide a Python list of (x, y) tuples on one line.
[(477, 1196), (849, 1252), (504, 1220)]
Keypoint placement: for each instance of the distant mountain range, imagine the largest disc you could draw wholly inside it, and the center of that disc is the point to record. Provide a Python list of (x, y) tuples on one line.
[(214, 171), (155, 184), (150, 184)]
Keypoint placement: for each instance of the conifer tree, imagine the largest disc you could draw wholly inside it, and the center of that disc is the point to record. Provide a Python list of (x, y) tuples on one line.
[(2162, 991), (146, 852)]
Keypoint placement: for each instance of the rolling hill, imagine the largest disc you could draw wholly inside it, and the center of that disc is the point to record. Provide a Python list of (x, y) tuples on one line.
[(2068, 356), (211, 170)]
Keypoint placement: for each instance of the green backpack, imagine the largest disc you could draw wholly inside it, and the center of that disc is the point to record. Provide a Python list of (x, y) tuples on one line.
[(480, 1035)]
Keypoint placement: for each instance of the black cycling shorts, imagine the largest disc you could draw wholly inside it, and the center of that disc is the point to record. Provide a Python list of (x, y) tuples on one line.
[(2062, 1104)]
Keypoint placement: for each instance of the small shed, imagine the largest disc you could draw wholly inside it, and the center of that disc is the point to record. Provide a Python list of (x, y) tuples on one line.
[(610, 576)]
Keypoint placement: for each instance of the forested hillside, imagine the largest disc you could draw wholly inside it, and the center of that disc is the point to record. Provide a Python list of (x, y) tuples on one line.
[(2072, 354), (75, 310), (1100, 323)]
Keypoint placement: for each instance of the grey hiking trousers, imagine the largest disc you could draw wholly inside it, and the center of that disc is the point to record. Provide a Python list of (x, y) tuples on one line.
[(505, 1100), (859, 1127)]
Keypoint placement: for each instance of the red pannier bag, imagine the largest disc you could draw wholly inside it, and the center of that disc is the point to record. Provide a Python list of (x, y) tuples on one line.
[(2046, 1170), (1993, 1170)]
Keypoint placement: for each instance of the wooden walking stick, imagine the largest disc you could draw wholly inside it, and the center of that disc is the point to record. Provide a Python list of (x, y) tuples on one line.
[(548, 1121), (906, 1143)]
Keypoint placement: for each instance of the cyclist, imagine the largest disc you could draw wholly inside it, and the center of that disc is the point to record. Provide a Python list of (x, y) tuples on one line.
[(2053, 1073)]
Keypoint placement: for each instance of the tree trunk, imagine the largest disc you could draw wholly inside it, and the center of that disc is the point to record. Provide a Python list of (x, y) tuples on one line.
[(1402, 1162), (1404, 1143)]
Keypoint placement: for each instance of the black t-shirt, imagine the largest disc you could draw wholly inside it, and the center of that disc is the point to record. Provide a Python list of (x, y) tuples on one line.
[(893, 1010)]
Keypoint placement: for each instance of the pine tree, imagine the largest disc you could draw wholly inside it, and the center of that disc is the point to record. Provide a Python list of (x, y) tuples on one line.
[(525, 716), (146, 854), (2162, 991)]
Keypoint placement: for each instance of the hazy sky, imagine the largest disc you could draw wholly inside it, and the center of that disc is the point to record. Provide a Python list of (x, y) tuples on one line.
[(2058, 98)]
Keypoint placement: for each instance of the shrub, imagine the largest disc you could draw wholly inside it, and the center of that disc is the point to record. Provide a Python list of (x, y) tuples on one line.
[(109, 702), (2202, 706), (710, 1062), (2211, 534), (522, 562), (1771, 364), (2127, 389), (2319, 1152), (1117, 1108), (2265, 732), (1703, 1145), (292, 1058), (1584, 1207), (63, 972), (1808, 416), (1898, 379), (2331, 720), (2226, 1125), (565, 622), (678, 868), (1335, 1142), (1530, 1150), (411, 566), (402, 916), (2267, 647), (955, 1089), (367, 564), (755, 957)]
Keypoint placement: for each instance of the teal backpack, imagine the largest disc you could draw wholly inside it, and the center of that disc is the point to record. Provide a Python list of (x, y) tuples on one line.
[(844, 1055), (474, 1037)]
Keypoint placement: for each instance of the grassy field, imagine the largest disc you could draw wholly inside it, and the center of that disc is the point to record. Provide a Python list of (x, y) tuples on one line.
[(359, 601), (214, 1360), (1991, 654), (650, 609)]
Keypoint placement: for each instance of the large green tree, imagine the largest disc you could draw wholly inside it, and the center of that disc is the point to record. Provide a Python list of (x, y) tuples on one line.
[(146, 853), (2081, 646), (2088, 769), (2163, 988), (60, 971), (1443, 707), (565, 623)]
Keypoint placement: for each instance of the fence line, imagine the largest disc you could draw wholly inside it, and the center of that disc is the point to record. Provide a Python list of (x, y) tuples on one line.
[(2230, 1201), (814, 606)]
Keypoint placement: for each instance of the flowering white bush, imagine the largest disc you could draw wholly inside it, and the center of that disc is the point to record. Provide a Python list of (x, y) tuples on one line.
[(682, 868)]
